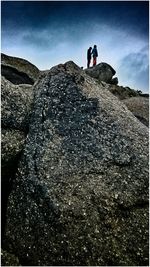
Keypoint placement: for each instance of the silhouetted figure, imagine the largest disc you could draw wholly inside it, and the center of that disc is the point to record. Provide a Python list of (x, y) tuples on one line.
[(95, 55), (89, 55)]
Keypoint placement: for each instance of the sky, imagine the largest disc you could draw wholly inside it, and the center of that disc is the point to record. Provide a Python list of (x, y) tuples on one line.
[(48, 33)]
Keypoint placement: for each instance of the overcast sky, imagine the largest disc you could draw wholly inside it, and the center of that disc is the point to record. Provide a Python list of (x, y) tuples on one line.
[(48, 33)]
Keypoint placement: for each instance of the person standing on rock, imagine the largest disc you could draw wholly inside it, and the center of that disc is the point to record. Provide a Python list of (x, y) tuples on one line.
[(89, 55), (95, 55)]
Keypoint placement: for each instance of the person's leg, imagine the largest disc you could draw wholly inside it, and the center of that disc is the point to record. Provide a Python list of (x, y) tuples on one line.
[(88, 64), (94, 61)]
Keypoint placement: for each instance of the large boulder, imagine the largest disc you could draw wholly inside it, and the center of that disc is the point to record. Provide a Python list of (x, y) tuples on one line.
[(102, 72), (81, 192), (16, 105), (16, 108), (11, 145), (18, 70), (12, 142), (140, 108)]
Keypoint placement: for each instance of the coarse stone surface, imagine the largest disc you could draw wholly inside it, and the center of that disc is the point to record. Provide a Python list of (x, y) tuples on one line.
[(81, 192), (18, 70), (12, 142), (139, 107), (121, 92), (103, 72), (16, 105), (8, 259)]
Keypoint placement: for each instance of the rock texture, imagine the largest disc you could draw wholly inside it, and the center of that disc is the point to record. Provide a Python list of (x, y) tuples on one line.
[(8, 259), (16, 105), (139, 107), (17, 101), (102, 72), (81, 192), (11, 146), (18, 70), (15, 110), (122, 92)]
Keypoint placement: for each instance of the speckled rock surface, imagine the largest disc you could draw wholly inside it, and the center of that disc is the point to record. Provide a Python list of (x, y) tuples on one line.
[(81, 191), (8, 259), (140, 108), (12, 142), (121, 92), (18, 70), (102, 72), (16, 105)]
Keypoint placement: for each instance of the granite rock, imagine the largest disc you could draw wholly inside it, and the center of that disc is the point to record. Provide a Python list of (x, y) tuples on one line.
[(16, 106), (18, 70), (102, 72), (139, 106), (8, 259), (80, 196)]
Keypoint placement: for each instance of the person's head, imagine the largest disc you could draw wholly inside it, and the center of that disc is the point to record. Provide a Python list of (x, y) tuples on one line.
[(95, 46), (90, 48)]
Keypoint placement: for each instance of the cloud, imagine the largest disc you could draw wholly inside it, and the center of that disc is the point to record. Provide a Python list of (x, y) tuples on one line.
[(134, 69)]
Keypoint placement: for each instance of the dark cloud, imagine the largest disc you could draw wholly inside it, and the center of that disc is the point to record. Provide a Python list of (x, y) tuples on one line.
[(39, 14)]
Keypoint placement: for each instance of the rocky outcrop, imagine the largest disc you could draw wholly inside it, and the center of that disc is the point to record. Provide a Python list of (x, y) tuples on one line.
[(122, 92), (114, 81), (81, 191), (102, 72), (16, 105), (15, 76), (12, 142), (15, 110), (11, 146), (18, 70), (17, 101), (139, 107)]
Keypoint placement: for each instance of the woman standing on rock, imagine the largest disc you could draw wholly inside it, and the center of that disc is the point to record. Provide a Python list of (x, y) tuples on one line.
[(95, 55), (89, 53)]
